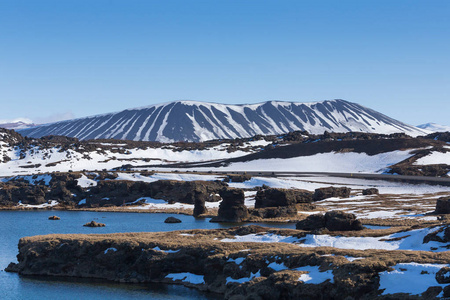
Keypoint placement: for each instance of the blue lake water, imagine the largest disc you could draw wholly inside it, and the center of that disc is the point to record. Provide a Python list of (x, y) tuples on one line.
[(17, 224)]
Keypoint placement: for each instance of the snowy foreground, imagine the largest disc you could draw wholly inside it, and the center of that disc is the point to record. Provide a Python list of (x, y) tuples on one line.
[(397, 220), (381, 214)]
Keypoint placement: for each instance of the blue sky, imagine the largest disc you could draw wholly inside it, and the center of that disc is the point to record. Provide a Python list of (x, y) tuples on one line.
[(77, 58)]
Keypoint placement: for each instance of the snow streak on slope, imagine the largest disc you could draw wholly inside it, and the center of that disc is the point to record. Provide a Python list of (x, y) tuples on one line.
[(198, 121)]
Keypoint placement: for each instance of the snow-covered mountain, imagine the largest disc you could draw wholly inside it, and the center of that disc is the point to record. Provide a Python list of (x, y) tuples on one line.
[(199, 121), (16, 124), (433, 127)]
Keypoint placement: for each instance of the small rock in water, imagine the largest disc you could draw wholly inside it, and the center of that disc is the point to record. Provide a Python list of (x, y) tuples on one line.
[(94, 224), (54, 218), (172, 220)]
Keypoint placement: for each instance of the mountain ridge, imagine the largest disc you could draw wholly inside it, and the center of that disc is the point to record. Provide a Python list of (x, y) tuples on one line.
[(199, 121)]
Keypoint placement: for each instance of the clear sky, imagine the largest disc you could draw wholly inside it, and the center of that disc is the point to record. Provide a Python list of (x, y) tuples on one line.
[(64, 58)]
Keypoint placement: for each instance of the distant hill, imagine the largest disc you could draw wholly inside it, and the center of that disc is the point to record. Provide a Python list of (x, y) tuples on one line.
[(199, 121), (16, 125), (433, 127)]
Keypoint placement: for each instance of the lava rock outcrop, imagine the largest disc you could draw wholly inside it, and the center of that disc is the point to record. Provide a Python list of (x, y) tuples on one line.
[(333, 221)]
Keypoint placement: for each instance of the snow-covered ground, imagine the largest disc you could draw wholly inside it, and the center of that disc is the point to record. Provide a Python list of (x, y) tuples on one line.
[(158, 204), (43, 160), (349, 162), (410, 278), (312, 183), (167, 176), (411, 240), (85, 182), (39, 160), (434, 158), (49, 204)]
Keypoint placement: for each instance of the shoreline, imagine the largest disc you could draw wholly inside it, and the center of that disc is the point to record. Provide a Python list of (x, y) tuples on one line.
[(189, 212), (178, 211)]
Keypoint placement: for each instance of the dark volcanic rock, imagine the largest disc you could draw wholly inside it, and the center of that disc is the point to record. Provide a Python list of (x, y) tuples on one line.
[(54, 218), (199, 206), (68, 179), (13, 192), (145, 257), (370, 191), (62, 187), (312, 222), (185, 191), (446, 292), (59, 139), (94, 224), (121, 192), (443, 205), (441, 235), (333, 221), (274, 212), (237, 178), (273, 197), (341, 221), (443, 275), (106, 175), (328, 192), (172, 220), (12, 138), (440, 170), (118, 192), (60, 191), (213, 198), (232, 207)]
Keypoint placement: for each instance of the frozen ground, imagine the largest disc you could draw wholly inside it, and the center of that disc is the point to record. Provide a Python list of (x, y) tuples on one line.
[(38, 160), (325, 162), (410, 278), (311, 183), (434, 158), (411, 240)]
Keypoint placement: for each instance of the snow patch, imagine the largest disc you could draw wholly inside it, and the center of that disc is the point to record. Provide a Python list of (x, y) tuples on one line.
[(50, 203), (244, 279), (314, 275), (410, 278), (85, 182), (110, 249), (187, 277), (166, 251)]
